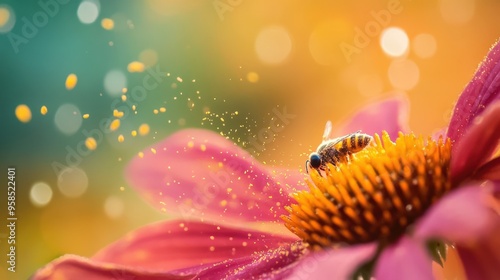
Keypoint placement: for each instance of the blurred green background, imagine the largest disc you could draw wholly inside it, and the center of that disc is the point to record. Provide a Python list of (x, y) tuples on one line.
[(219, 65)]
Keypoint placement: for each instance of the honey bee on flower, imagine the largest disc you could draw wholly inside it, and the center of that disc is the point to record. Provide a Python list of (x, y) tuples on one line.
[(336, 150)]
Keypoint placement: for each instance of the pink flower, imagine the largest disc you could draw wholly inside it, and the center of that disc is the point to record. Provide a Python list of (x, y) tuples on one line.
[(221, 195)]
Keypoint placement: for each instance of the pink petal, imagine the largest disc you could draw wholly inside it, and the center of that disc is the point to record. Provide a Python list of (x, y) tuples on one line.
[(483, 89), (175, 244), (477, 145), (334, 263), (390, 115), (407, 259), (199, 174), (462, 216), (489, 171), (272, 264), (481, 259), (76, 267)]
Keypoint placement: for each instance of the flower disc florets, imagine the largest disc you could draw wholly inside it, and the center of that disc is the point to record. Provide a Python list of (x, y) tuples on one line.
[(376, 195)]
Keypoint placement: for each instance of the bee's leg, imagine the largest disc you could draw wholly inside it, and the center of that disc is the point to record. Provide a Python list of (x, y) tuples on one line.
[(307, 163), (322, 168), (348, 157), (319, 172), (326, 167)]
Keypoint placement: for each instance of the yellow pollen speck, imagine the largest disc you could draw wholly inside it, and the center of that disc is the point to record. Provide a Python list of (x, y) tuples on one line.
[(43, 110), (236, 113), (223, 203), (203, 147), (124, 98), (117, 114), (107, 23), (220, 164), (135, 67), (124, 90), (212, 237), (143, 129), (122, 188), (133, 107), (163, 110), (23, 113), (140, 154), (71, 81), (153, 151), (115, 124), (90, 143), (190, 144), (133, 133), (252, 77), (155, 111), (121, 138), (212, 248), (244, 243), (4, 16), (179, 79), (86, 116)]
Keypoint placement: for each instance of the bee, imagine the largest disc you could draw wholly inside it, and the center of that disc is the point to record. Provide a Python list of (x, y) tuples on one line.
[(336, 150)]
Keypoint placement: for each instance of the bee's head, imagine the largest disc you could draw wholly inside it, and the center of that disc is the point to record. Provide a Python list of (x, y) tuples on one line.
[(315, 160)]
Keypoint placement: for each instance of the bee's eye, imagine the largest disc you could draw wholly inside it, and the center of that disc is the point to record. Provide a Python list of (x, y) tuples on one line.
[(315, 160)]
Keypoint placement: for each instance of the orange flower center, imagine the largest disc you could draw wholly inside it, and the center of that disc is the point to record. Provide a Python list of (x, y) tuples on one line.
[(376, 195)]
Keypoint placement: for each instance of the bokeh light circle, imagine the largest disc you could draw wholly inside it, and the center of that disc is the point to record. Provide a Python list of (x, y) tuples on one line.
[(149, 57), (404, 74), (114, 82), (424, 45), (40, 194), (394, 41), (113, 207), (68, 119), (253, 77), (88, 11), (72, 181), (7, 19), (273, 45)]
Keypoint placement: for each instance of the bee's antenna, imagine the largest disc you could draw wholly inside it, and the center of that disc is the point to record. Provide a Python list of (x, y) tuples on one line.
[(307, 162)]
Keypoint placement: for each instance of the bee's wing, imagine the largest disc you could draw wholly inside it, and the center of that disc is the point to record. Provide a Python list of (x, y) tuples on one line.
[(335, 141), (327, 134)]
